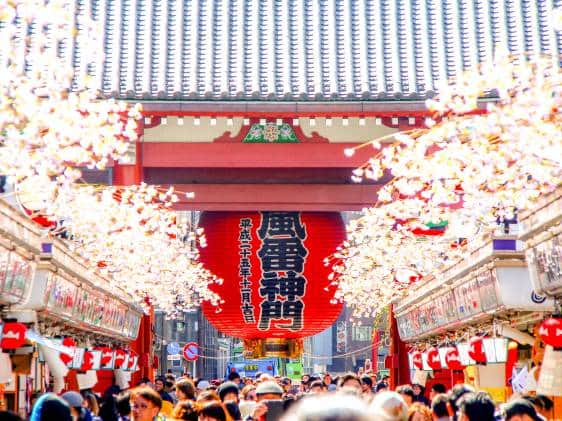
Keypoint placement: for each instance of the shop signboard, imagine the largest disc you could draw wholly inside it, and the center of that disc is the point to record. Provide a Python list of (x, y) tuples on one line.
[(16, 275), (90, 306), (545, 265), (294, 370)]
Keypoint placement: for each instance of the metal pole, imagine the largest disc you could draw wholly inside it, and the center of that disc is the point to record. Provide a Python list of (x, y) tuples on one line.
[(194, 365)]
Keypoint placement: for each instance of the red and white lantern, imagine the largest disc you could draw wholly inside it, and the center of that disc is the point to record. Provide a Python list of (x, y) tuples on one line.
[(551, 332), (476, 349), (433, 360), (120, 357), (71, 345), (417, 360), (453, 359), (88, 361)]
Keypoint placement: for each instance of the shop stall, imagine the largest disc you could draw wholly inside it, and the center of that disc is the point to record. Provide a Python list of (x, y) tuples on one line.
[(62, 325), (541, 233), (474, 321)]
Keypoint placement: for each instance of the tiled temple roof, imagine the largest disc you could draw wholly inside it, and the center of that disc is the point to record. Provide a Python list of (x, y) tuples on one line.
[(305, 49)]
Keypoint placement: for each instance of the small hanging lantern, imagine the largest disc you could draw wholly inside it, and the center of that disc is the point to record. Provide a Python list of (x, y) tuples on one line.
[(551, 332), (433, 359), (417, 360), (453, 359), (476, 349)]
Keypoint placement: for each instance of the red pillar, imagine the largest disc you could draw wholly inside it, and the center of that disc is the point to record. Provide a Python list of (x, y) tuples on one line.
[(400, 370), (126, 175)]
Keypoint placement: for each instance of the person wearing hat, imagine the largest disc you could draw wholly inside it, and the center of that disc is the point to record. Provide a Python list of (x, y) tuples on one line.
[(75, 401), (266, 391), (521, 410)]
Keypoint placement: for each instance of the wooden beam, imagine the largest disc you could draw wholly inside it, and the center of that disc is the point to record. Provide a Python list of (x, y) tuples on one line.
[(252, 155), (304, 197)]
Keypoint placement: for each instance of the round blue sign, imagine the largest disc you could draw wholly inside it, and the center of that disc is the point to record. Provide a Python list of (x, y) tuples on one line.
[(173, 348)]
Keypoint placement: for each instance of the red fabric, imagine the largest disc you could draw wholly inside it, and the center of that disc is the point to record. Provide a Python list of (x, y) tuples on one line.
[(324, 232)]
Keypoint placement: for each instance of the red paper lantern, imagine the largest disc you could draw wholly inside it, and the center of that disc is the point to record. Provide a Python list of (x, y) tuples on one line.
[(88, 361), (453, 359), (433, 359), (120, 356), (551, 332), (67, 358), (417, 359), (106, 355), (275, 282), (476, 349)]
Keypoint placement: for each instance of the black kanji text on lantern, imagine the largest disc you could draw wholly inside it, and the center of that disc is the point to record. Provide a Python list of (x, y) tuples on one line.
[(283, 257), (245, 269)]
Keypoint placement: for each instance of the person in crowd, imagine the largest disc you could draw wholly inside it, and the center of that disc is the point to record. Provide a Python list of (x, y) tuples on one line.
[(456, 393), (419, 412), (170, 388), (146, 404), (50, 407), (381, 387), (317, 386), (228, 392), (123, 403), (213, 411), (439, 407), (477, 406), (91, 405), (437, 389), (208, 396), (185, 410), (419, 394), (159, 384), (185, 390), (389, 406), (367, 387), (407, 394), (520, 410), (248, 401), (265, 391), (350, 380), (305, 380), (326, 408), (9, 416), (287, 385), (542, 404), (235, 378), (327, 379), (202, 385), (76, 403), (108, 409)]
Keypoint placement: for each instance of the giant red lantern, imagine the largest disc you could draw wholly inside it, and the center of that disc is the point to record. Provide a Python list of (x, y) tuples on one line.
[(276, 288)]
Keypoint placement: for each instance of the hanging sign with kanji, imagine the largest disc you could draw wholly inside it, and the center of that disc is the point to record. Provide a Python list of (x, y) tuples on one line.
[(275, 282)]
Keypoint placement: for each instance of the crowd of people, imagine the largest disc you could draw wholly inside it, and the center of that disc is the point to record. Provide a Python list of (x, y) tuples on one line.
[(263, 397)]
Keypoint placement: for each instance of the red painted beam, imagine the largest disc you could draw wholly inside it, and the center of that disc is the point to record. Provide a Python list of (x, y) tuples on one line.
[(252, 155), (304, 197)]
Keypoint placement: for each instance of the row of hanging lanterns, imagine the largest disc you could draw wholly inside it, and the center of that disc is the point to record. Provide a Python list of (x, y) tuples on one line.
[(479, 350)]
